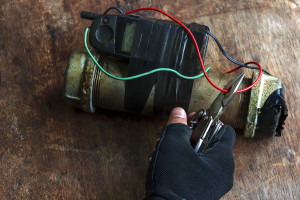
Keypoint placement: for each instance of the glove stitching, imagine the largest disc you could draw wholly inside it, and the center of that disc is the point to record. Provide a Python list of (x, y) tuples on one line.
[(156, 155)]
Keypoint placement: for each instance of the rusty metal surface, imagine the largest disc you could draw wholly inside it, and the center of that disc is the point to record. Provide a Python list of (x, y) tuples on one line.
[(259, 94), (109, 93), (48, 150)]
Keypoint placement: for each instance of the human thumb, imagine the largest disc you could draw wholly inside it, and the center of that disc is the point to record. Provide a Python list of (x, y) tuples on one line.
[(177, 115)]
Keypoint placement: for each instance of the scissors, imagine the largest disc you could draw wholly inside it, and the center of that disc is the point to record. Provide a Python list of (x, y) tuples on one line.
[(205, 123)]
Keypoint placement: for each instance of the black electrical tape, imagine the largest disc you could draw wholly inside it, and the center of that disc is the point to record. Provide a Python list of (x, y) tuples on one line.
[(163, 45), (137, 90)]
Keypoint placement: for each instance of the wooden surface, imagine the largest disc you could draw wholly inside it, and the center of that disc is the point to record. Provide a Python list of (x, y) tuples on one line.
[(49, 150)]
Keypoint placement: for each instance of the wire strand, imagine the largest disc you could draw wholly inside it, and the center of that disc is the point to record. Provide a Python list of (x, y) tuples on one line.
[(230, 58), (113, 8)]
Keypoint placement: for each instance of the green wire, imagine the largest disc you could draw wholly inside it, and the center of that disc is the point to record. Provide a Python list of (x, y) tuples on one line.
[(139, 75)]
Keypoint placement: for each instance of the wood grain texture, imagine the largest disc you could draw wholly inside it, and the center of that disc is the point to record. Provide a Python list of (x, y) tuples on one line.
[(49, 150)]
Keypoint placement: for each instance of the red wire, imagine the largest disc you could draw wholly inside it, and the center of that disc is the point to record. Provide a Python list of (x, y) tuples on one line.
[(233, 70), (198, 52)]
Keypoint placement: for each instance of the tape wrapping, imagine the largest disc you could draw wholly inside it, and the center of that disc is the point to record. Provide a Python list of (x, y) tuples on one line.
[(157, 45)]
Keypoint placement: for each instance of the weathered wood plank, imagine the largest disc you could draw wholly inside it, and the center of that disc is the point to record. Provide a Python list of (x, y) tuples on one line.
[(48, 150)]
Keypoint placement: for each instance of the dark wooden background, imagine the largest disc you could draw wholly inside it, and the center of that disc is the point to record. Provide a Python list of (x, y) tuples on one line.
[(48, 150)]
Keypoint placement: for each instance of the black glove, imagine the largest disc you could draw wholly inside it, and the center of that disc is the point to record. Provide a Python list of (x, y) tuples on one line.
[(176, 171)]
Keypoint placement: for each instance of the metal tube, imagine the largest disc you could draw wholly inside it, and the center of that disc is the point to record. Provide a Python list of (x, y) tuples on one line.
[(86, 87), (109, 93)]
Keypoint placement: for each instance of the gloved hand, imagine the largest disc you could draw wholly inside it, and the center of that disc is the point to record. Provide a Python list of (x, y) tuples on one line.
[(176, 171)]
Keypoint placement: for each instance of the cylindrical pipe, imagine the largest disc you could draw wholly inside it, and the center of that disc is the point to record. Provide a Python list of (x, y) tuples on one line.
[(109, 93), (259, 111)]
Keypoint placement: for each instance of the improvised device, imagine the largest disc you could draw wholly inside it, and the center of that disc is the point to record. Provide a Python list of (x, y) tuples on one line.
[(128, 45)]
